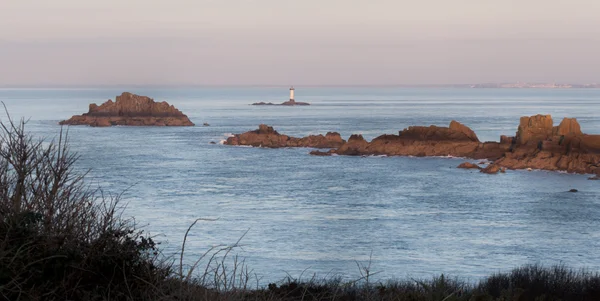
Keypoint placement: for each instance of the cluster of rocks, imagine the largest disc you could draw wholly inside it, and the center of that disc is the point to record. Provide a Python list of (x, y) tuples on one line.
[(266, 136), (290, 102), (538, 144), (490, 169), (133, 110)]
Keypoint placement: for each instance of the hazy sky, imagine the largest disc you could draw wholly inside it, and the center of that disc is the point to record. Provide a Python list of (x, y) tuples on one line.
[(301, 42)]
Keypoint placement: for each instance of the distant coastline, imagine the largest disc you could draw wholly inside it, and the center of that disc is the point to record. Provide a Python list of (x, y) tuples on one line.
[(520, 85)]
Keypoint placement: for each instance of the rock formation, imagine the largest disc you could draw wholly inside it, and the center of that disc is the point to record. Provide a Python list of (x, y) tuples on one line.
[(290, 102), (456, 140), (491, 169), (131, 109), (468, 165), (266, 136), (538, 144)]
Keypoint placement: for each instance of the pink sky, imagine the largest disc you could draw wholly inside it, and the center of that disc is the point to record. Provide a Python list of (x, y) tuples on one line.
[(302, 42)]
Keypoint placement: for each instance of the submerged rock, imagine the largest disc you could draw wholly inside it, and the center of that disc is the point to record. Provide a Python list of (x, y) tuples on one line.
[(573, 190), (133, 110)]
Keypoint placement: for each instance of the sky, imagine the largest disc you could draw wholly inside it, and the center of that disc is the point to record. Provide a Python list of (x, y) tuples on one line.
[(299, 42)]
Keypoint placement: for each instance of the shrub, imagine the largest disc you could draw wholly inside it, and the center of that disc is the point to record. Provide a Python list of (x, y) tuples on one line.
[(60, 239)]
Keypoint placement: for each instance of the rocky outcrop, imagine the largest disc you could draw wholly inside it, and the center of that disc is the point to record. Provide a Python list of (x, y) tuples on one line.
[(459, 127), (133, 110), (568, 126), (468, 165), (564, 147), (491, 169), (533, 129), (537, 144), (456, 140), (266, 136), (262, 103), (290, 102)]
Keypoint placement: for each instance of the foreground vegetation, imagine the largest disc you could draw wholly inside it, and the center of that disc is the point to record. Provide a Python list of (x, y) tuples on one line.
[(60, 239)]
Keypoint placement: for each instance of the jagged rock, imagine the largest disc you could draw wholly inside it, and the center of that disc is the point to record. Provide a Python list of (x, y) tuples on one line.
[(262, 103), (468, 165), (131, 109), (322, 153), (533, 129), (266, 136), (568, 126), (355, 146), (537, 145), (491, 169), (459, 127), (290, 102), (506, 139)]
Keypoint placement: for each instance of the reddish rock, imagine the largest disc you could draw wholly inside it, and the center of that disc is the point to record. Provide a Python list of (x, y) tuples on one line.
[(290, 102), (457, 141), (468, 165), (537, 145), (266, 136), (533, 129), (459, 127), (491, 169), (568, 126), (131, 109), (322, 153), (355, 146), (507, 139)]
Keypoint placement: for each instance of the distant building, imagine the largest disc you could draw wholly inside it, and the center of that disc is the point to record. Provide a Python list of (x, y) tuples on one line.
[(292, 93)]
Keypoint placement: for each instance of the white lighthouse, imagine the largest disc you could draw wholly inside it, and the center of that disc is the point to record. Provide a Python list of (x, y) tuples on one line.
[(292, 93)]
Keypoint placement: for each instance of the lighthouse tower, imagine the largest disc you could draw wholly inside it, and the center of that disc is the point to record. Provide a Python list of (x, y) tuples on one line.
[(292, 94)]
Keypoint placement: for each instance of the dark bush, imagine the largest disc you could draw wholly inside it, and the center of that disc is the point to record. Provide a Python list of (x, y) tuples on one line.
[(60, 239)]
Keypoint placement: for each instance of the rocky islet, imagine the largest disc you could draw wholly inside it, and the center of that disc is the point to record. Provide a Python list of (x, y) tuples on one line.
[(537, 144), (130, 109)]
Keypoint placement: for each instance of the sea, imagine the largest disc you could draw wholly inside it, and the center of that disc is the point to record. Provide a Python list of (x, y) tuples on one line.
[(291, 214)]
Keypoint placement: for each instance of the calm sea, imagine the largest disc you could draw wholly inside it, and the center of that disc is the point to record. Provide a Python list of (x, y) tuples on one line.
[(417, 216)]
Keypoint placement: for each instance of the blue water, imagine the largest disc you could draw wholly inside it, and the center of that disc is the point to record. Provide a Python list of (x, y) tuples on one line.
[(417, 216)]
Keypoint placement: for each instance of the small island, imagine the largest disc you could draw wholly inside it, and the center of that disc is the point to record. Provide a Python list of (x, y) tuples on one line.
[(290, 102), (131, 110), (538, 144)]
